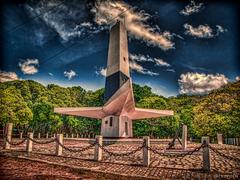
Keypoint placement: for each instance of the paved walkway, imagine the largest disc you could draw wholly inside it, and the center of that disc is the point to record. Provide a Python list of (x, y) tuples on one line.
[(161, 166)]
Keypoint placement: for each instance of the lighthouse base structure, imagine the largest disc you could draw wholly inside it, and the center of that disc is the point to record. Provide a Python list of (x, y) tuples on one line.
[(116, 127), (119, 108)]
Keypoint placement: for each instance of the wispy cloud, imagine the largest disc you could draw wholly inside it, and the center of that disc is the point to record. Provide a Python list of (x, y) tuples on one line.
[(64, 20), (161, 62), (203, 31), (196, 83), (70, 74), (170, 70), (50, 74), (140, 69), (147, 58), (135, 22), (7, 76), (101, 71), (134, 58), (191, 8), (29, 66)]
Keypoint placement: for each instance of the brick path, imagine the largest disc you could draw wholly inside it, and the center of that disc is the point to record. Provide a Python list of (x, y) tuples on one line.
[(161, 166)]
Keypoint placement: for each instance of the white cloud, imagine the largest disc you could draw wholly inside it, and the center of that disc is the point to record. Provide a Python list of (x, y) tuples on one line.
[(135, 23), (7, 76), (220, 29), (137, 67), (237, 78), (196, 83), (140, 57), (70, 74), (147, 58), (161, 62), (102, 71), (29, 66), (50, 74), (191, 8), (86, 24), (203, 31)]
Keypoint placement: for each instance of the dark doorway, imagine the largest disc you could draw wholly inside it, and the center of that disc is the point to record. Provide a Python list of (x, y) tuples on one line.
[(126, 128)]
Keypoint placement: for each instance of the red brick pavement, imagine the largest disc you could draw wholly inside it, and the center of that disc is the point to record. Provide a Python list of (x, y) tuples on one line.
[(161, 166)]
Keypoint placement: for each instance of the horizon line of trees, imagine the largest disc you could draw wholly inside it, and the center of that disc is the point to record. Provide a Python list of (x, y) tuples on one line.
[(30, 104)]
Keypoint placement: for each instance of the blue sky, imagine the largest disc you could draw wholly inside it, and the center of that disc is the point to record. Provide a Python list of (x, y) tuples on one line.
[(175, 46)]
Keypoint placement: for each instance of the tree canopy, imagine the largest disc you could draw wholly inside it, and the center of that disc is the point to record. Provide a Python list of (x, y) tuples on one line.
[(27, 102)]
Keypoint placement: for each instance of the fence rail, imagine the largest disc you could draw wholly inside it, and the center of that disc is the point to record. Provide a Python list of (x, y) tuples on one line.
[(203, 149)]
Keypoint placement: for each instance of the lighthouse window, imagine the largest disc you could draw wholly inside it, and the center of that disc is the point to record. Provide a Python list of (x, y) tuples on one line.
[(106, 122), (124, 58), (111, 119)]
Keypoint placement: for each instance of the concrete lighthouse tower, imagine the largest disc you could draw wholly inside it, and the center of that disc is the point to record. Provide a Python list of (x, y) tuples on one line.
[(119, 109)]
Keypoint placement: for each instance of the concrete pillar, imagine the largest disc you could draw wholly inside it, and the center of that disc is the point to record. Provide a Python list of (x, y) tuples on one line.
[(184, 137), (29, 142), (47, 135), (58, 146), (66, 135), (72, 135), (39, 135), (8, 134), (98, 150), (146, 151), (219, 138), (206, 154), (77, 135), (21, 135)]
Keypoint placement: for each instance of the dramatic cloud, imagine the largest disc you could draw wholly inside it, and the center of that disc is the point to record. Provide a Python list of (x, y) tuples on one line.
[(137, 67), (135, 22), (191, 8), (195, 83), (203, 31), (64, 19), (70, 74), (7, 76), (29, 66), (142, 58), (102, 71)]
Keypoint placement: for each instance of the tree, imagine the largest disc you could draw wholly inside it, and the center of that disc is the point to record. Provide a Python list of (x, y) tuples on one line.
[(13, 108)]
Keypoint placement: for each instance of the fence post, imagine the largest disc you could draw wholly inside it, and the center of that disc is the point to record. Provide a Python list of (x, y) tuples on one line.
[(46, 135), (219, 138), (29, 142), (184, 137), (146, 151), (72, 135), (21, 135), (54, 135), (98, 150), (77, 135), (8, 134), (206, 154), (66, 135), (58, 146), (39, 135)]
